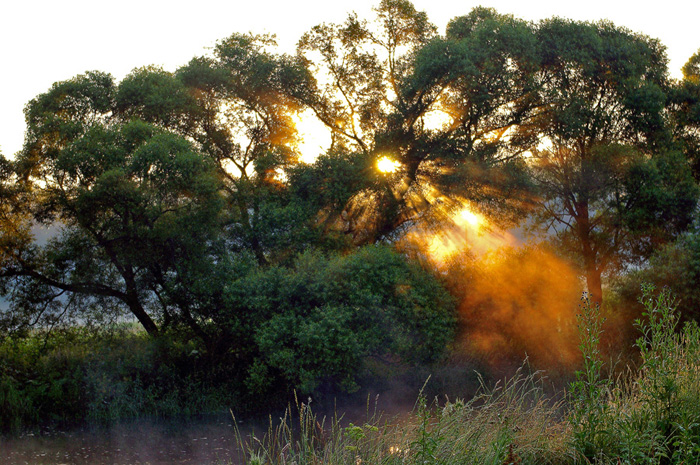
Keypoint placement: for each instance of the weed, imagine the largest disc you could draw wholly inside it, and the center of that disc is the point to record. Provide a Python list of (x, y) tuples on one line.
[(590, 391)]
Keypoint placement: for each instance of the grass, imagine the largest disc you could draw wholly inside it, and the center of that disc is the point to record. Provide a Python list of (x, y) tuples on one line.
[(511, 423), (649, 415)]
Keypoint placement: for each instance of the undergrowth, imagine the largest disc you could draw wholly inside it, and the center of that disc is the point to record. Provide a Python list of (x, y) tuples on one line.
[(649, 414), (510, 423), (74, 377)]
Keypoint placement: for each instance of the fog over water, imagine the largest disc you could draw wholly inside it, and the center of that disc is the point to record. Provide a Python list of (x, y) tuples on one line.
[(203, 441)]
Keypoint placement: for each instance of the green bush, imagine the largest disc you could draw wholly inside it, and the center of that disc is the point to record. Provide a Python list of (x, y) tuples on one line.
[(72, 377), (318, 322), (675, 266)]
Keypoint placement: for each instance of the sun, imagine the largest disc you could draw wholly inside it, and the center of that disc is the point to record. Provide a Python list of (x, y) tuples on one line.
[(387, 165), (469, 217)]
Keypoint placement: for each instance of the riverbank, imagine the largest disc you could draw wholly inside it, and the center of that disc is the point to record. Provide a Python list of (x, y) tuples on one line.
[(647, 415)]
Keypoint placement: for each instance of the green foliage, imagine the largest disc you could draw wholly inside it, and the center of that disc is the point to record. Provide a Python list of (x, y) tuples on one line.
[(428, 438), (129, 202), (178, 199), (675, 266), (650, 416), (319, 321), (590, 391), (668, 383), (612, 187), (684, 103), (154, 96), (78, 376), (387, 82)]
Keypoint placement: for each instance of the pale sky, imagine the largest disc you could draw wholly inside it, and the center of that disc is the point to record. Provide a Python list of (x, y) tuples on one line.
[(47, 41)]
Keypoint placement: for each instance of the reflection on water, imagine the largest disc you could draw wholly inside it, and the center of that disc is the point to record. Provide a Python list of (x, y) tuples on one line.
[(204, 441)]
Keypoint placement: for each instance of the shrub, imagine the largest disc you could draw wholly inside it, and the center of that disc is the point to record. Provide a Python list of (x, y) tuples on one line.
[(318, 322)]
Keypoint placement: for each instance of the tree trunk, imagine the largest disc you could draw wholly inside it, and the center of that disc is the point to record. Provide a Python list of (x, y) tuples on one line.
[(132, 301), (588, 252)]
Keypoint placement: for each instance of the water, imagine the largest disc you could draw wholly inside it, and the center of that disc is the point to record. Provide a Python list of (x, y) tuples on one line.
[(203, 441), (206, 440)]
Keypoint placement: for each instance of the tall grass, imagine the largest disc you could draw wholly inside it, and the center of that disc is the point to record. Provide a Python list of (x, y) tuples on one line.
[(511, 423)]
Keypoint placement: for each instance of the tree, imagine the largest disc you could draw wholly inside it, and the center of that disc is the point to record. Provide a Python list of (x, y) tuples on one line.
[(612, 187), (377, 90), (130, 201), (237, 106), (685, 112), (155, 177)]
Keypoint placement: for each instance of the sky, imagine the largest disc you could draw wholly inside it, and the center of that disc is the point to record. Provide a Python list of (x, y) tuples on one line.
[(45, 41)]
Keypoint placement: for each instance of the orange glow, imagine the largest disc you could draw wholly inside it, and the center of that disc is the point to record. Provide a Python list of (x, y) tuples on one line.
[(387, 165), (518, 300), (466, 230), (525, 301)]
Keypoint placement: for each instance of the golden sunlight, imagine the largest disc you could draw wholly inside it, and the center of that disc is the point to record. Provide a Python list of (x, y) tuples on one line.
[(387, 165), (469, 217), (468, 231), (313, 137)]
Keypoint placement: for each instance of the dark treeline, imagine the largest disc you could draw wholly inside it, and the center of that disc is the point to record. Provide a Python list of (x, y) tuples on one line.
[(178, 200)]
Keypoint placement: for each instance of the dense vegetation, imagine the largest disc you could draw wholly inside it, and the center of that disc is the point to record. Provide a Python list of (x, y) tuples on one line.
[(164, 249), (646, 416)]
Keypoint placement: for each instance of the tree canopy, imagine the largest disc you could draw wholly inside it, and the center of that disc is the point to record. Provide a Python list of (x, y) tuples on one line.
[(179, 198), (613, 186)]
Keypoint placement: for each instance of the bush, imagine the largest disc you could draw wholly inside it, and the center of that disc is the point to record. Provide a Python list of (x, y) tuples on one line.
[(318, 322), (675, 266), (648, 417), (73, 377)]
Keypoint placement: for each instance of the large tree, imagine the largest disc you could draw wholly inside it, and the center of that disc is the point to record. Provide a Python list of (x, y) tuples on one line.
[(150, 183), (451, 112), (612, 186), (129, 203)]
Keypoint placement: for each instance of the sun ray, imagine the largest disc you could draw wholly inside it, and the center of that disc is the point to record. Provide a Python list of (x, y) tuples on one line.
[(463, 229)]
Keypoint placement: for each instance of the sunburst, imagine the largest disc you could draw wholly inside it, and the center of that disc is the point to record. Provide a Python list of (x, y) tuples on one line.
[(387, 165)]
